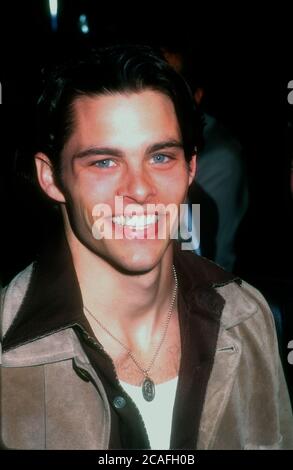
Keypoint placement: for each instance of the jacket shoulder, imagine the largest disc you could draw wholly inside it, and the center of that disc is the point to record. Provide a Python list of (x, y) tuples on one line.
[(12, 297), (243, 302)]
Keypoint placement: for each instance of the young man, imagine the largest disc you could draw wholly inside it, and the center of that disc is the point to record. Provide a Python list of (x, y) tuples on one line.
[(126, 341)]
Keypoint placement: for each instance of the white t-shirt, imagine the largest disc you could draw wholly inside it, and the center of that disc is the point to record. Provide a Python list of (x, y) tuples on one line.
[(156, 414)]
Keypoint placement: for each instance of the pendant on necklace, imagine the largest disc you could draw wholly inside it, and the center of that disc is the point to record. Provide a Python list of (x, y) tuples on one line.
[(148, 389)]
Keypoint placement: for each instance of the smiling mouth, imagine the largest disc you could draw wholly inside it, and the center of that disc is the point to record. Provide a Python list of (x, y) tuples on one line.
[(136, 222)]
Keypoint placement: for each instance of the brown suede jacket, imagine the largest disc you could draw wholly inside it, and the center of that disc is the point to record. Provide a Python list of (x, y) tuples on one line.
[(231, 390)]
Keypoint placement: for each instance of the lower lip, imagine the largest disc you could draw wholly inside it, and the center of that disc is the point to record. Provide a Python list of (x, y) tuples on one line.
[(148, 233)]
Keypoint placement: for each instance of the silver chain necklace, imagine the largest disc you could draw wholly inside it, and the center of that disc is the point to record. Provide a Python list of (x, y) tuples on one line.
[(148, 386)]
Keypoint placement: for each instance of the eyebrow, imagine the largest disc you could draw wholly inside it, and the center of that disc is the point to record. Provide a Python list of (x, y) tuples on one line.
[(115, 152)]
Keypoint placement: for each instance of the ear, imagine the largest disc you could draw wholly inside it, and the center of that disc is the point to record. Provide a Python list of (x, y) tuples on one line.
[(46, 179), (198, 95), (192, 168)]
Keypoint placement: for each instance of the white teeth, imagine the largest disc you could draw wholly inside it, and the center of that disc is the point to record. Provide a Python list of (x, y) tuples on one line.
[(139, 222)]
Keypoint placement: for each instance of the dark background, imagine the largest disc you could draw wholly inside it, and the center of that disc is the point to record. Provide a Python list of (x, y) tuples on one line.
[(247, 59)]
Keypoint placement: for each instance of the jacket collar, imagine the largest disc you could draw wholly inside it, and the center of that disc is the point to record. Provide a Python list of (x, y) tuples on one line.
[(52, 301)]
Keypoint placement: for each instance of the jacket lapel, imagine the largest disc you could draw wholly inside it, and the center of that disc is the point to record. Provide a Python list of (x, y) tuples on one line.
[(226, 361), (237, 309), (79, 419)]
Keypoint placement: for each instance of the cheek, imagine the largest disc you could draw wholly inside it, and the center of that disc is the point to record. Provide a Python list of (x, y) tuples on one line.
[(90, 189), (175, 186), (80, 199), (88, 193)]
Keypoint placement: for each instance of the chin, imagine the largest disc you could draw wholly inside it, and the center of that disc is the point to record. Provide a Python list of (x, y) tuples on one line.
[(134, 259)]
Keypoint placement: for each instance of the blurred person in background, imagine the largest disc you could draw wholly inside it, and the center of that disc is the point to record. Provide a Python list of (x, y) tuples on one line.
[(221, 185)]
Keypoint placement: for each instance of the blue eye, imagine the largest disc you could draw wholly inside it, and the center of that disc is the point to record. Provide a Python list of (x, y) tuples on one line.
[(160, 158), (104, 163)]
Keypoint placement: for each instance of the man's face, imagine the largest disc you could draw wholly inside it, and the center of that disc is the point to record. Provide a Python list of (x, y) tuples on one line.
[(127, 145)]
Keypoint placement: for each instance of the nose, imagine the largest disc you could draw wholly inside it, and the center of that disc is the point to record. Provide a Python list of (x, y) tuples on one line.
[(137, 186)]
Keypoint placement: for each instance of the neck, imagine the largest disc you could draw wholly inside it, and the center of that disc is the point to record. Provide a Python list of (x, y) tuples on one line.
[(132, 307)]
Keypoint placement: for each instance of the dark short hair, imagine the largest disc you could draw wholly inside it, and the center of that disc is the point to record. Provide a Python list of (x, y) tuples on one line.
[(113, 69)]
